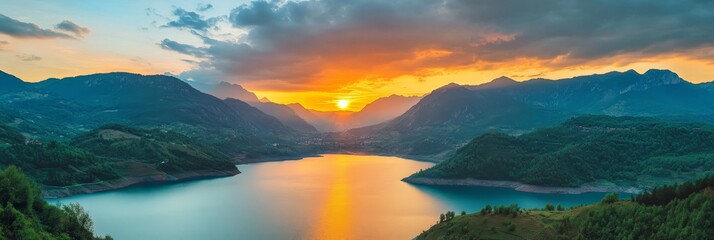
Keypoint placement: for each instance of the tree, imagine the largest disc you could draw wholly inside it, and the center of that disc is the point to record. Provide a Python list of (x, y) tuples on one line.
[(78, 215), (610, 198), (486, 210), (549, 207)]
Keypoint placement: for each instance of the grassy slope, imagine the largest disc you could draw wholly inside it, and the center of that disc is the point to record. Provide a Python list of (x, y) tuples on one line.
[(531, 224), (681, 211)]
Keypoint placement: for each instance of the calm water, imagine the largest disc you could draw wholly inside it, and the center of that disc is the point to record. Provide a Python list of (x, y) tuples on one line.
[(332, 197)]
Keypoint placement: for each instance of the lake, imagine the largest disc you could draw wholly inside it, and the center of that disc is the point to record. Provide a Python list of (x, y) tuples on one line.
[(331, 197)]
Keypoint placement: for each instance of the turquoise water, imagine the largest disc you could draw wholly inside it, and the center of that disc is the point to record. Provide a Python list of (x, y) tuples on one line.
[(331, 197)]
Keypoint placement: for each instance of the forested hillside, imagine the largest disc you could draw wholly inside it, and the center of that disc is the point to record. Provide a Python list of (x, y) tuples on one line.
[(622, 150), (111, 154), (683, 211), (25, 215)]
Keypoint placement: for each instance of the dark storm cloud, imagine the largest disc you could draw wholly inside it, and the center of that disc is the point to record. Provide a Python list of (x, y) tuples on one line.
[(591, 29), (19, 29), (297, 42), (69, 26), (191, 20)]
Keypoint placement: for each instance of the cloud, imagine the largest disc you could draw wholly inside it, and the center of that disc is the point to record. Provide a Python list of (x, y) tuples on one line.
[(69, 26), (28, 57), (182, 48), (191, 20), (19, 29), (204, 7), (331, 43)]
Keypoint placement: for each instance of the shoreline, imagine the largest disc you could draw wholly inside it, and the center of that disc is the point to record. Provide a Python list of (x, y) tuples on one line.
[(521, 187), (54, 192)]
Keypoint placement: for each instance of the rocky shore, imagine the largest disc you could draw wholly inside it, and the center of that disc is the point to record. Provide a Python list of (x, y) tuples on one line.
[(518, 186)]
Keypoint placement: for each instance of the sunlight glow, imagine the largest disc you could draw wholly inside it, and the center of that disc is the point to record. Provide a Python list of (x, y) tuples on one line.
[(343, 104)]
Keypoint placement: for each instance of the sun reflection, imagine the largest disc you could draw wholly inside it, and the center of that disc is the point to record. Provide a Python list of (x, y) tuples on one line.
[(334, 221)]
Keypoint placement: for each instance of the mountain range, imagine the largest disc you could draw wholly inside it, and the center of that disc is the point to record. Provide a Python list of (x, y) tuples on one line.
[(450, 116), (63, 108)]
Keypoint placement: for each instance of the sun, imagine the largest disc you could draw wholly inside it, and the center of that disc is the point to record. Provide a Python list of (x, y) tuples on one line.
[(342, 104)]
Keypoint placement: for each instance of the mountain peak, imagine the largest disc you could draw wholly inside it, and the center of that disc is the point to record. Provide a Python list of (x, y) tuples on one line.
[(450, 85), (4, 77), (661, 77), (264, 100), (498, 82), (8, 82), (231, 90), (502, 79)]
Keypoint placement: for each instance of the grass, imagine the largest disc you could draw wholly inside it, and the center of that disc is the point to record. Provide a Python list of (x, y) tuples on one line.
[(529, 224)]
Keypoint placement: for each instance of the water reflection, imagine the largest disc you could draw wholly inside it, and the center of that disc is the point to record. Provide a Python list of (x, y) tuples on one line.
[(331, 197)]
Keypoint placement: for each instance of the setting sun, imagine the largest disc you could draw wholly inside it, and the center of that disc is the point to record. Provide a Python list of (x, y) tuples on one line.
[(343, 104)]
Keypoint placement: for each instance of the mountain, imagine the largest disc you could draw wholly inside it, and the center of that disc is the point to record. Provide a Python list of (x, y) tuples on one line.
[(709, 86), (63, 108), (499, 82), (229, 90), (620, 151), (681, 211), (286, 115), (10, 83), (378, 111), (382, 110), (452, 115), (306, 120), (323, 121), (283, 113)]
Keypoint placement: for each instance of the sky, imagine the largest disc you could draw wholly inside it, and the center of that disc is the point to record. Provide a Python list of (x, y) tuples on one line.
[(317, 52)]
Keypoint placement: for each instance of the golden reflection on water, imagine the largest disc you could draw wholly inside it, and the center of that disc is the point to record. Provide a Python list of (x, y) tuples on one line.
[(349, 197), (334, 220)]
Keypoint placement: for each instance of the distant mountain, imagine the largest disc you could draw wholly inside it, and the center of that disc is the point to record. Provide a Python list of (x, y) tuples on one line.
[(229, 90), (382, 110), (283, 113), (378, 111), (286, 115), (448, 117), (299, 118), (499, 82), (622, 151)]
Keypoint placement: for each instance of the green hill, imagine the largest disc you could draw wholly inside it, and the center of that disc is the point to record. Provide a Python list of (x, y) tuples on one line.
[(112, 156), (168, 151), (25, 215), (627, 151), (671, 212)]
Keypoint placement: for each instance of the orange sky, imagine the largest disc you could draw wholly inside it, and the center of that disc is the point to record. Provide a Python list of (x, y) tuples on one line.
[(365, 91), (317, 52)]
